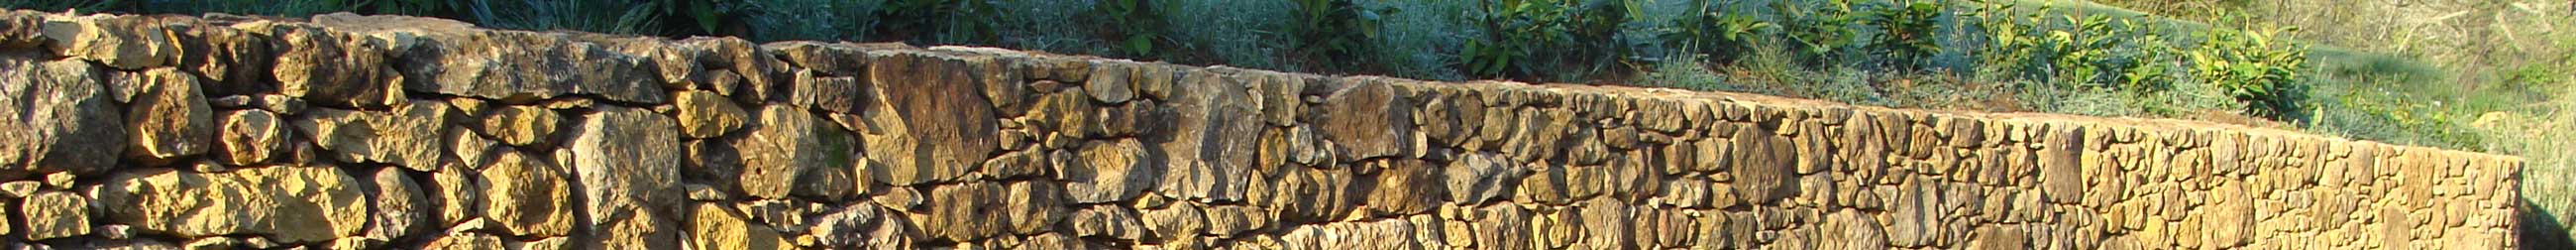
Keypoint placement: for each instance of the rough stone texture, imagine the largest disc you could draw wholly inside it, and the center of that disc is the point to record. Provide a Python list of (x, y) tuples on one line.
[(626, 162), (707, 115), (168, 117), (63, 116), (527, 196), (294, 204), (401, 208), (51, 215), (716, 227), (250, 137), (593, 141), (787, 142), (933, 123)]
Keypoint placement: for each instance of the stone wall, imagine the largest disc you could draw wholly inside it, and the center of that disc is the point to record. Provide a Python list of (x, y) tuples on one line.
[(358, 132)]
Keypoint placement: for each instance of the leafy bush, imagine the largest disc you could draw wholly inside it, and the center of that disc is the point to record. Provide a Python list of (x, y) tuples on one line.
[(1714, 33), (1135, 25), (1907, 28), (1328, 29), (1818, 31), (1531, 39), (2252, 67)]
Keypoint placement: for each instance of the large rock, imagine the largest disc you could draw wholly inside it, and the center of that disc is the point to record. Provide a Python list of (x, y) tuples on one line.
[(524, 126), (527, 196), (236, 60), (61, 118), (285, 203), (1369, 119), (250, 137), (122, 42), (454, 58), (1107, 221), (843, 94), (1479, 177), (328, 68), (626, 162), (707, 115), (456, 195), (2061, 172), (787, 142), (1108, 172), (168, 118), (1407, 186), (758, 70), (51, 215), (967, 212), (1763, 170), (1213, 137), (409, 135), (717, 227), (1033, 206), (401, 207), (933, 122)]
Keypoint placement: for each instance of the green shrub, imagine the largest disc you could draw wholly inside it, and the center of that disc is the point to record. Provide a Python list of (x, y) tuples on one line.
[(1548, 39), (1713, 33), (1136, 26), (1325, 30), (1818, 30), (1906, 31), (2253, 67)]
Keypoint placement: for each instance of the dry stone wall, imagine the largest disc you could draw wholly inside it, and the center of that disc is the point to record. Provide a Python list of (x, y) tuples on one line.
[(376, 132)]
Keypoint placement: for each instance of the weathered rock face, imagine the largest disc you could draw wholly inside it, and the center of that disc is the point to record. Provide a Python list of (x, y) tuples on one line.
[(285, 203), (627, 162), (527, 196), (169, 117), (382, 132), (63, 115), (932, 123)]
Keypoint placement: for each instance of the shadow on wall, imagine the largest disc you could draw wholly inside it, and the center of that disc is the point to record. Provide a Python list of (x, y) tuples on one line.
[(2540, 230)]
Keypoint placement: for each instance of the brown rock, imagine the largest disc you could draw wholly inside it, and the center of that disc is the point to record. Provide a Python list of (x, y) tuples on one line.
[(168, 118), (933, 124), (2060, 173), (716, 227), (842, 94), (250, 137), (1479, 177), (527, 196), (293, 204), (524, 126), (1175, 223), (1108, 172), (59, 111), (455, 58), (1033, 206), (400, 207), (626, 161), (839, 59), (787, 142), (328, 68), (1849, 229), (55, 214), (1107, 221), (707, 115), (1369, 119), (1108, 83), (1211, 145), (122, 42), (453, 190), (1407, 186), (1763, 166), (966, 212)]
